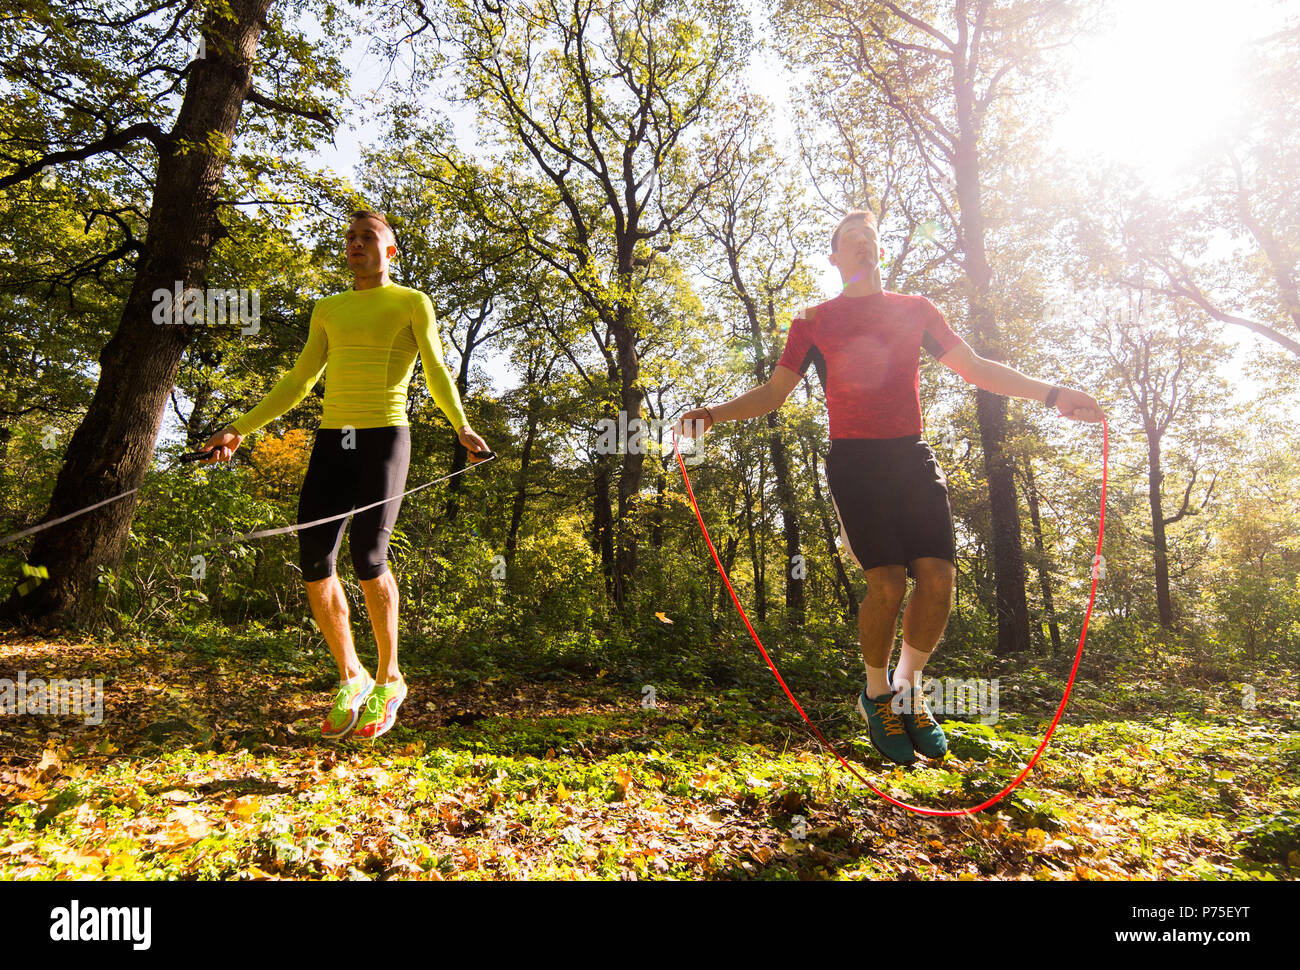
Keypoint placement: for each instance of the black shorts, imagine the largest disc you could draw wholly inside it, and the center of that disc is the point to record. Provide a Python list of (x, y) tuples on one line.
[(341, 478), (891, 498)]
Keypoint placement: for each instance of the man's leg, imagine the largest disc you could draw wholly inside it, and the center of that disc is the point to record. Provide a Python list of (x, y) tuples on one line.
[(923, 622), (386, 456), (389, 692), (926, 616), (381, 604), (878, 622), (329, 605)]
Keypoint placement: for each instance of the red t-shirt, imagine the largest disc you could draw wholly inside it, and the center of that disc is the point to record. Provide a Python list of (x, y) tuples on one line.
[(868, 354)]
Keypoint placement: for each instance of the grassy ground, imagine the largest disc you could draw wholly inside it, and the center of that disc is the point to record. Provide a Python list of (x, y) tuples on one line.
[(208, 765)]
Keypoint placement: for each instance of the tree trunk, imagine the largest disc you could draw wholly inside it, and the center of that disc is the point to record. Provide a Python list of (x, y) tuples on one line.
[(629, 481), (755, 558), (460, 454), (603, 527), (1008, 553), (727, 554), (725, 606), (849, 598), (113, 446), (657, 524), (795, 601), (521, 492), (1044, 574), (1155, 477), (195, 431)]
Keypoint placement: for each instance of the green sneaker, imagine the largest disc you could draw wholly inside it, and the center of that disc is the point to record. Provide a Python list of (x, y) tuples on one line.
[(381, 710), (921, 727), (342, 716), (885, 728)]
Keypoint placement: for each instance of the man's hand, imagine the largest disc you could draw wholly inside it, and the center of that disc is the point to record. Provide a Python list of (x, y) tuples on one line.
[(694, 423), (1079, 406), (472, 443), (226, 441)]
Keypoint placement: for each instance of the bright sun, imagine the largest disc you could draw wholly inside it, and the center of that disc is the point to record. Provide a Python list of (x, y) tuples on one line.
[(1154, 89)]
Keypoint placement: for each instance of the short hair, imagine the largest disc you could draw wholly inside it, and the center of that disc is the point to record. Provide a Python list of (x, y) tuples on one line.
[(378, 217), (866, 214)]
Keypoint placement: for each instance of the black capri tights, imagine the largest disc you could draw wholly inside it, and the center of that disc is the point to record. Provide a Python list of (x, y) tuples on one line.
[(349, 469)]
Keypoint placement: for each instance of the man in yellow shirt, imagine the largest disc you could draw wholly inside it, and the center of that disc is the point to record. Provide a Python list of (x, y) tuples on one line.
[(365, 340)]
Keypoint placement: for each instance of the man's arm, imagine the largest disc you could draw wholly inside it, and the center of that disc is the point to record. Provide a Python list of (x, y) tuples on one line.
[(1001, 379), (288, 391), (424, 325), (293, 386), (443, 389), (752, 404)]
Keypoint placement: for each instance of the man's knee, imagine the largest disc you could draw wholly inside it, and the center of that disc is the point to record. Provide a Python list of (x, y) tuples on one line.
[(319, 585), (375, 575), (316, 568), (887, 585), (369, 552), (935, 579)]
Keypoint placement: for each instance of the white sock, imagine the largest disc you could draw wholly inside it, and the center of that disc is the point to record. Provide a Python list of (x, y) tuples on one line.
[(877, 681), (910, 664), (358, 679)]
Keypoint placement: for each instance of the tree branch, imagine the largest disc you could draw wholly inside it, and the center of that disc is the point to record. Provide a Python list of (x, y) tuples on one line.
[(280, 107), (112, 142)]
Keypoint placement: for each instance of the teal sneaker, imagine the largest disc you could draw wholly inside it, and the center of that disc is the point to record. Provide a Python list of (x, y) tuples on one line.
[(381, 710), (921, 727), (885, 728), (346, 709)]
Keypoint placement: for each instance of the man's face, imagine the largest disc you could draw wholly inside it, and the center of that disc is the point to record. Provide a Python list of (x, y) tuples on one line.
[(369, 246), (858, 247)]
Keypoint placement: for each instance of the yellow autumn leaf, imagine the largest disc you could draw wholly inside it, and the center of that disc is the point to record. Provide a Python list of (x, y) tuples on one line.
[(378, 775), (194, 824), (244, 806), (74, 857)]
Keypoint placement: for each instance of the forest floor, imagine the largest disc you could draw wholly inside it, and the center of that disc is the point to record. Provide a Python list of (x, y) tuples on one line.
[(208, 765)]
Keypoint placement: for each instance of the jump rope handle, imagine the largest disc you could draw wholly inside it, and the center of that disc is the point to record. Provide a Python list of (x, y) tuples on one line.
[(484, 454)]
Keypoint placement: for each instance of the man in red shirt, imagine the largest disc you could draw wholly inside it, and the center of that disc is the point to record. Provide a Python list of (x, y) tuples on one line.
[(889, 493)]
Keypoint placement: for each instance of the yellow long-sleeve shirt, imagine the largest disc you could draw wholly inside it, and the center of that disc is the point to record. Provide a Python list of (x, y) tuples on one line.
[(365, 341)]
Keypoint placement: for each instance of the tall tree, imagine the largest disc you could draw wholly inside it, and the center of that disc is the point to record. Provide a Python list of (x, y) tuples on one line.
[(481, 281), (1164, 365), (601, 99), (954, 71), (758, 223), (110, 91)]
